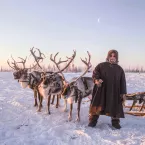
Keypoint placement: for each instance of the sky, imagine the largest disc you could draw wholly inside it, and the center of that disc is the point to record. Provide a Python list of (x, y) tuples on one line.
[(84, 25)]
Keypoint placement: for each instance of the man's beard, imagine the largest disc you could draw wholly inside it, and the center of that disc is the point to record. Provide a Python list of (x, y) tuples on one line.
[(112, 61)]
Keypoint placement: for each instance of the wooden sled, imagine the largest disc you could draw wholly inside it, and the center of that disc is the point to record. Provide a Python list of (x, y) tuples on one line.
[(136, 106), (138, 97), (134, 94), (135, 113)]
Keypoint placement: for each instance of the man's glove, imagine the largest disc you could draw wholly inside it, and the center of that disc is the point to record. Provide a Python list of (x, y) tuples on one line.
[(99, 82)]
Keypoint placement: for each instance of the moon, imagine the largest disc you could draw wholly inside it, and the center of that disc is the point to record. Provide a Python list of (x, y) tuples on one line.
[(98, 20)]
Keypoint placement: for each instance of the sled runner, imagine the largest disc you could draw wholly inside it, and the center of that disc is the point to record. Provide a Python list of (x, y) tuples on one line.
[(139, 98)]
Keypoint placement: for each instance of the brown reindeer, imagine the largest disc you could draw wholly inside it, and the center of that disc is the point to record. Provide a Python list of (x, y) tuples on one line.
[(52, 84)]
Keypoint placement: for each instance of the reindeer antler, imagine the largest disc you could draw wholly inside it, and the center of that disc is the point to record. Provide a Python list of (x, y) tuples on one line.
[(57, 63), (87, 63), (23, 61), (37, 58), (15, 66), (69, 60)]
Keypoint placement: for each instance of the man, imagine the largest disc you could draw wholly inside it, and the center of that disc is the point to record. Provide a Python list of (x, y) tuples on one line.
[(108, 92)]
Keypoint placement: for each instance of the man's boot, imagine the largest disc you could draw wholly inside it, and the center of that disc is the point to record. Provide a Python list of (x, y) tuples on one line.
[(115, 123), (93, 120)]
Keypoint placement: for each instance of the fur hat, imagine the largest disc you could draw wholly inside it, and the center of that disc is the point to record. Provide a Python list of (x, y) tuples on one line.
[(110, 52)]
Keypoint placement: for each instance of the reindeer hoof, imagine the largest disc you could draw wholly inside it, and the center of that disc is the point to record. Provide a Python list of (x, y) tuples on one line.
[(56, 106), (47, 113), (35, 105), (65, 110), (38, 110), (69, 118), (78, 120)]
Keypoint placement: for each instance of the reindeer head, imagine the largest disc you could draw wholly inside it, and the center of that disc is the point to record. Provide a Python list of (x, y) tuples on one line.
[(18, 74), (18, 71), (21, 73)]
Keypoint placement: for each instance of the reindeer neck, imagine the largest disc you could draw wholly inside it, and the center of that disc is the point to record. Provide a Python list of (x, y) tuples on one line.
[(33, 80)]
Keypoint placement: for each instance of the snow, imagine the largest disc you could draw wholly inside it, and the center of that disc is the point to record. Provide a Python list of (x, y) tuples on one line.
[(20, 124)]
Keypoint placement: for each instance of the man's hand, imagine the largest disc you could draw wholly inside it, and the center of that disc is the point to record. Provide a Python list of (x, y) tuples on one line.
[(98, 82)]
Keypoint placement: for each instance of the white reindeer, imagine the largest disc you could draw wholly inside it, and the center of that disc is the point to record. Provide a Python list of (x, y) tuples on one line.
[(77, 89)]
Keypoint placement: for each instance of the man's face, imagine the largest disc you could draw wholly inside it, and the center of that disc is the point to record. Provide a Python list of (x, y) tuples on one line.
[(112, 58)]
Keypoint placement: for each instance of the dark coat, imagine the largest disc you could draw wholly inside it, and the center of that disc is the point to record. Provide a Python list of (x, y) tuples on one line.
[(107, 97)]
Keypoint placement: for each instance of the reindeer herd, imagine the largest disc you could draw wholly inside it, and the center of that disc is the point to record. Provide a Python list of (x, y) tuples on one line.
[(46, 84)]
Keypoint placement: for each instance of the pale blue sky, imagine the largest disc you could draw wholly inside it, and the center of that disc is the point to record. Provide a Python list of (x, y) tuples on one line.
[(62, 25)]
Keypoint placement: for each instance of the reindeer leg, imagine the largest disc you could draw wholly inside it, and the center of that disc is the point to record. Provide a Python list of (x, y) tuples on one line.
[(53, 99), (35, 98), (57, 103), (70, 112), (40, 99), (60, 96), (48, 104), (78, 109), (40, 102), (65, 105)]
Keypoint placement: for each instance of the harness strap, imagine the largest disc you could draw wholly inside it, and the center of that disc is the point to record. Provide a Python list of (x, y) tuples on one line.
[(84, 82), (33, 84)]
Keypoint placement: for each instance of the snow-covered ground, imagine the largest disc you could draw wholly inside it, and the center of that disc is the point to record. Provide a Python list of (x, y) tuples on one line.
[(20, 124)]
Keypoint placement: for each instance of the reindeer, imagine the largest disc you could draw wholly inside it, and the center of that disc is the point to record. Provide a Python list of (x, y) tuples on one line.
[(52, 84), (57, 65), (28, 79), (77, 89)]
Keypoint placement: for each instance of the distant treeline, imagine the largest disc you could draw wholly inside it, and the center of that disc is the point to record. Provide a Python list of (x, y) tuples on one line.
[(75, 69), (135, 70), (5, 69)]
